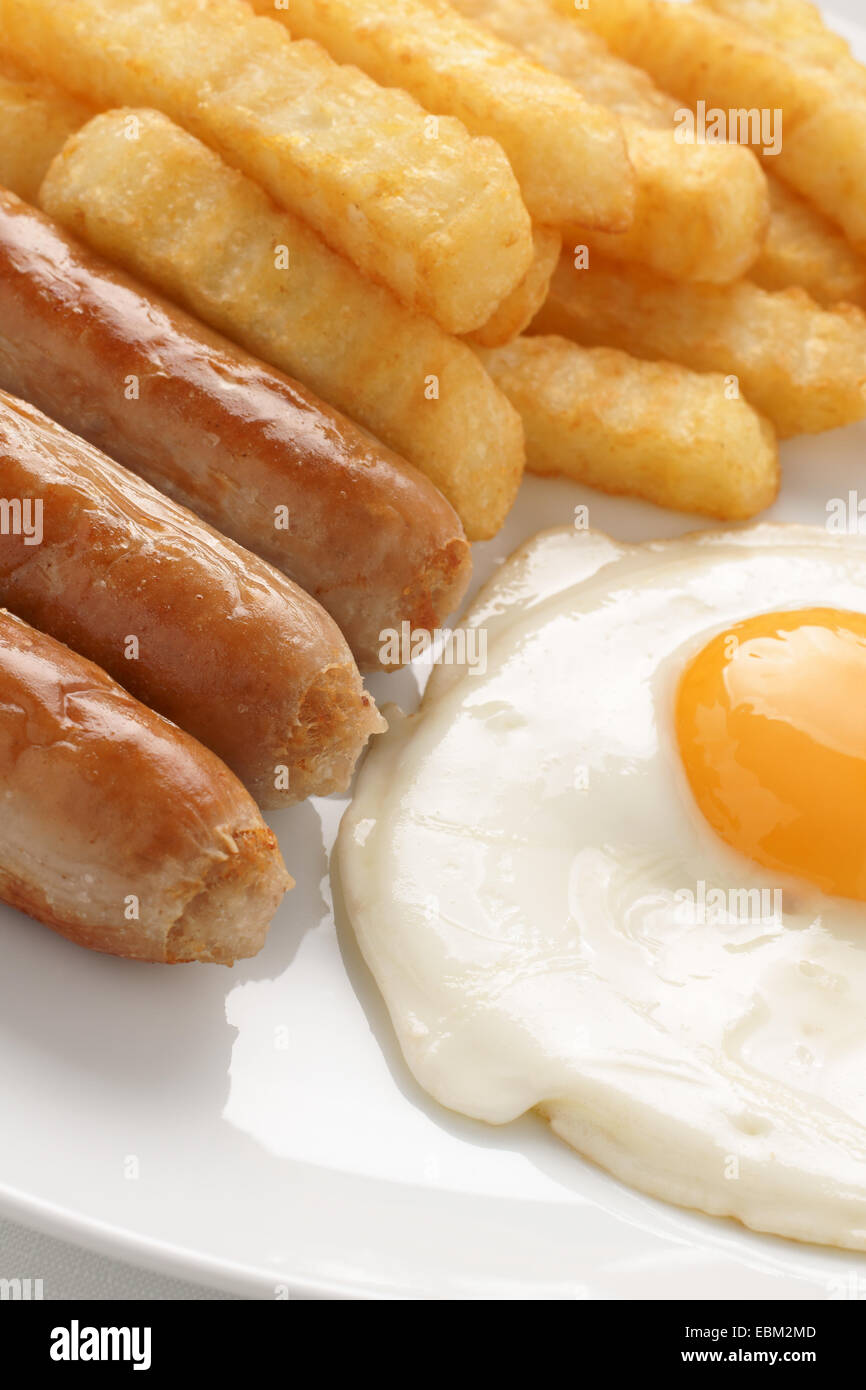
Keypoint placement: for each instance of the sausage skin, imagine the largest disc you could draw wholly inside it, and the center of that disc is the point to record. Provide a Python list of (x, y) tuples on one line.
[(201, 630), (254, 453), (117, 829)]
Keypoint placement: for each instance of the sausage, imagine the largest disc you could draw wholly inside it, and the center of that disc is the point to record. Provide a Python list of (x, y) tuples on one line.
[(116, 828), (253, 452), (201, 630)]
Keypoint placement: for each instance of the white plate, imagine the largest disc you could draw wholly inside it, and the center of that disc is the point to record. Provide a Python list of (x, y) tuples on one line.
[(257, 1129)]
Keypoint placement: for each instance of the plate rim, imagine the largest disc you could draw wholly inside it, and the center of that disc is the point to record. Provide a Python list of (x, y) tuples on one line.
[(118, 1242)]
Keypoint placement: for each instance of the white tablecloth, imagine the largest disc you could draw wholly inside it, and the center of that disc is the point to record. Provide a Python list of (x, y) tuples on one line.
[(67, 1271)]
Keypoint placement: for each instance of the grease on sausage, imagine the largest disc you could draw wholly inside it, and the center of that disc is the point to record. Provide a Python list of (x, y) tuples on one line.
[(254, 453), (117, 829), (206, 633)]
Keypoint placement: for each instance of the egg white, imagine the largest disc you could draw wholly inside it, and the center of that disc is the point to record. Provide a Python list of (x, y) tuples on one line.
[(517, 858)]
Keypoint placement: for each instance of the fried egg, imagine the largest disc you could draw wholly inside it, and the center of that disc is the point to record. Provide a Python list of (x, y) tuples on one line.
[(617, 872)]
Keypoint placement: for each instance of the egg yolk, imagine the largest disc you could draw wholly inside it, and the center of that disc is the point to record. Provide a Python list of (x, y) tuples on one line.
[(771, 727)]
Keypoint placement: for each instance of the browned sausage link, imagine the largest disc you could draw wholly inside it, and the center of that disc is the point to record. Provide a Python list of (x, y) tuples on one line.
[(253, 452), (209, 634), (117, 829)]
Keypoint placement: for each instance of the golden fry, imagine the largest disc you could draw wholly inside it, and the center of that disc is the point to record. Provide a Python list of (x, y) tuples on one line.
[(802, 366), (702, 56), (167, 208), (650, 429), (804, 248), (575, 53), (438, 218), (569, 156), (701, 211), (687, 224), (36, 118), (799, 27), (517, 311)]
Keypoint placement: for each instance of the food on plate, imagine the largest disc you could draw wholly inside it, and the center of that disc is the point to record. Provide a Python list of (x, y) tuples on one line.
[(694, 215), (799, 27), (574, 52), (804, 248), (205, 632), (568, 155), (36, 118), (701, 210), (681, 998), (613, 869), (120, 831), (434, 214), (701, 56), (167, 208), (701, 213), (517, 311), (772, 706), (651, 429), (255, 454), (801, 365)]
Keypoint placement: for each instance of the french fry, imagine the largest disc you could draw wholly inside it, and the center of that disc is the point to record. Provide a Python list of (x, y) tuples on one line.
[(569, 156), (519, 309), (702, 56), (802, 366), (167, 208), (437, 216), (701, 211), (799, 27), (36, 118), (575, 53), (650, 429), (804, 248)]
